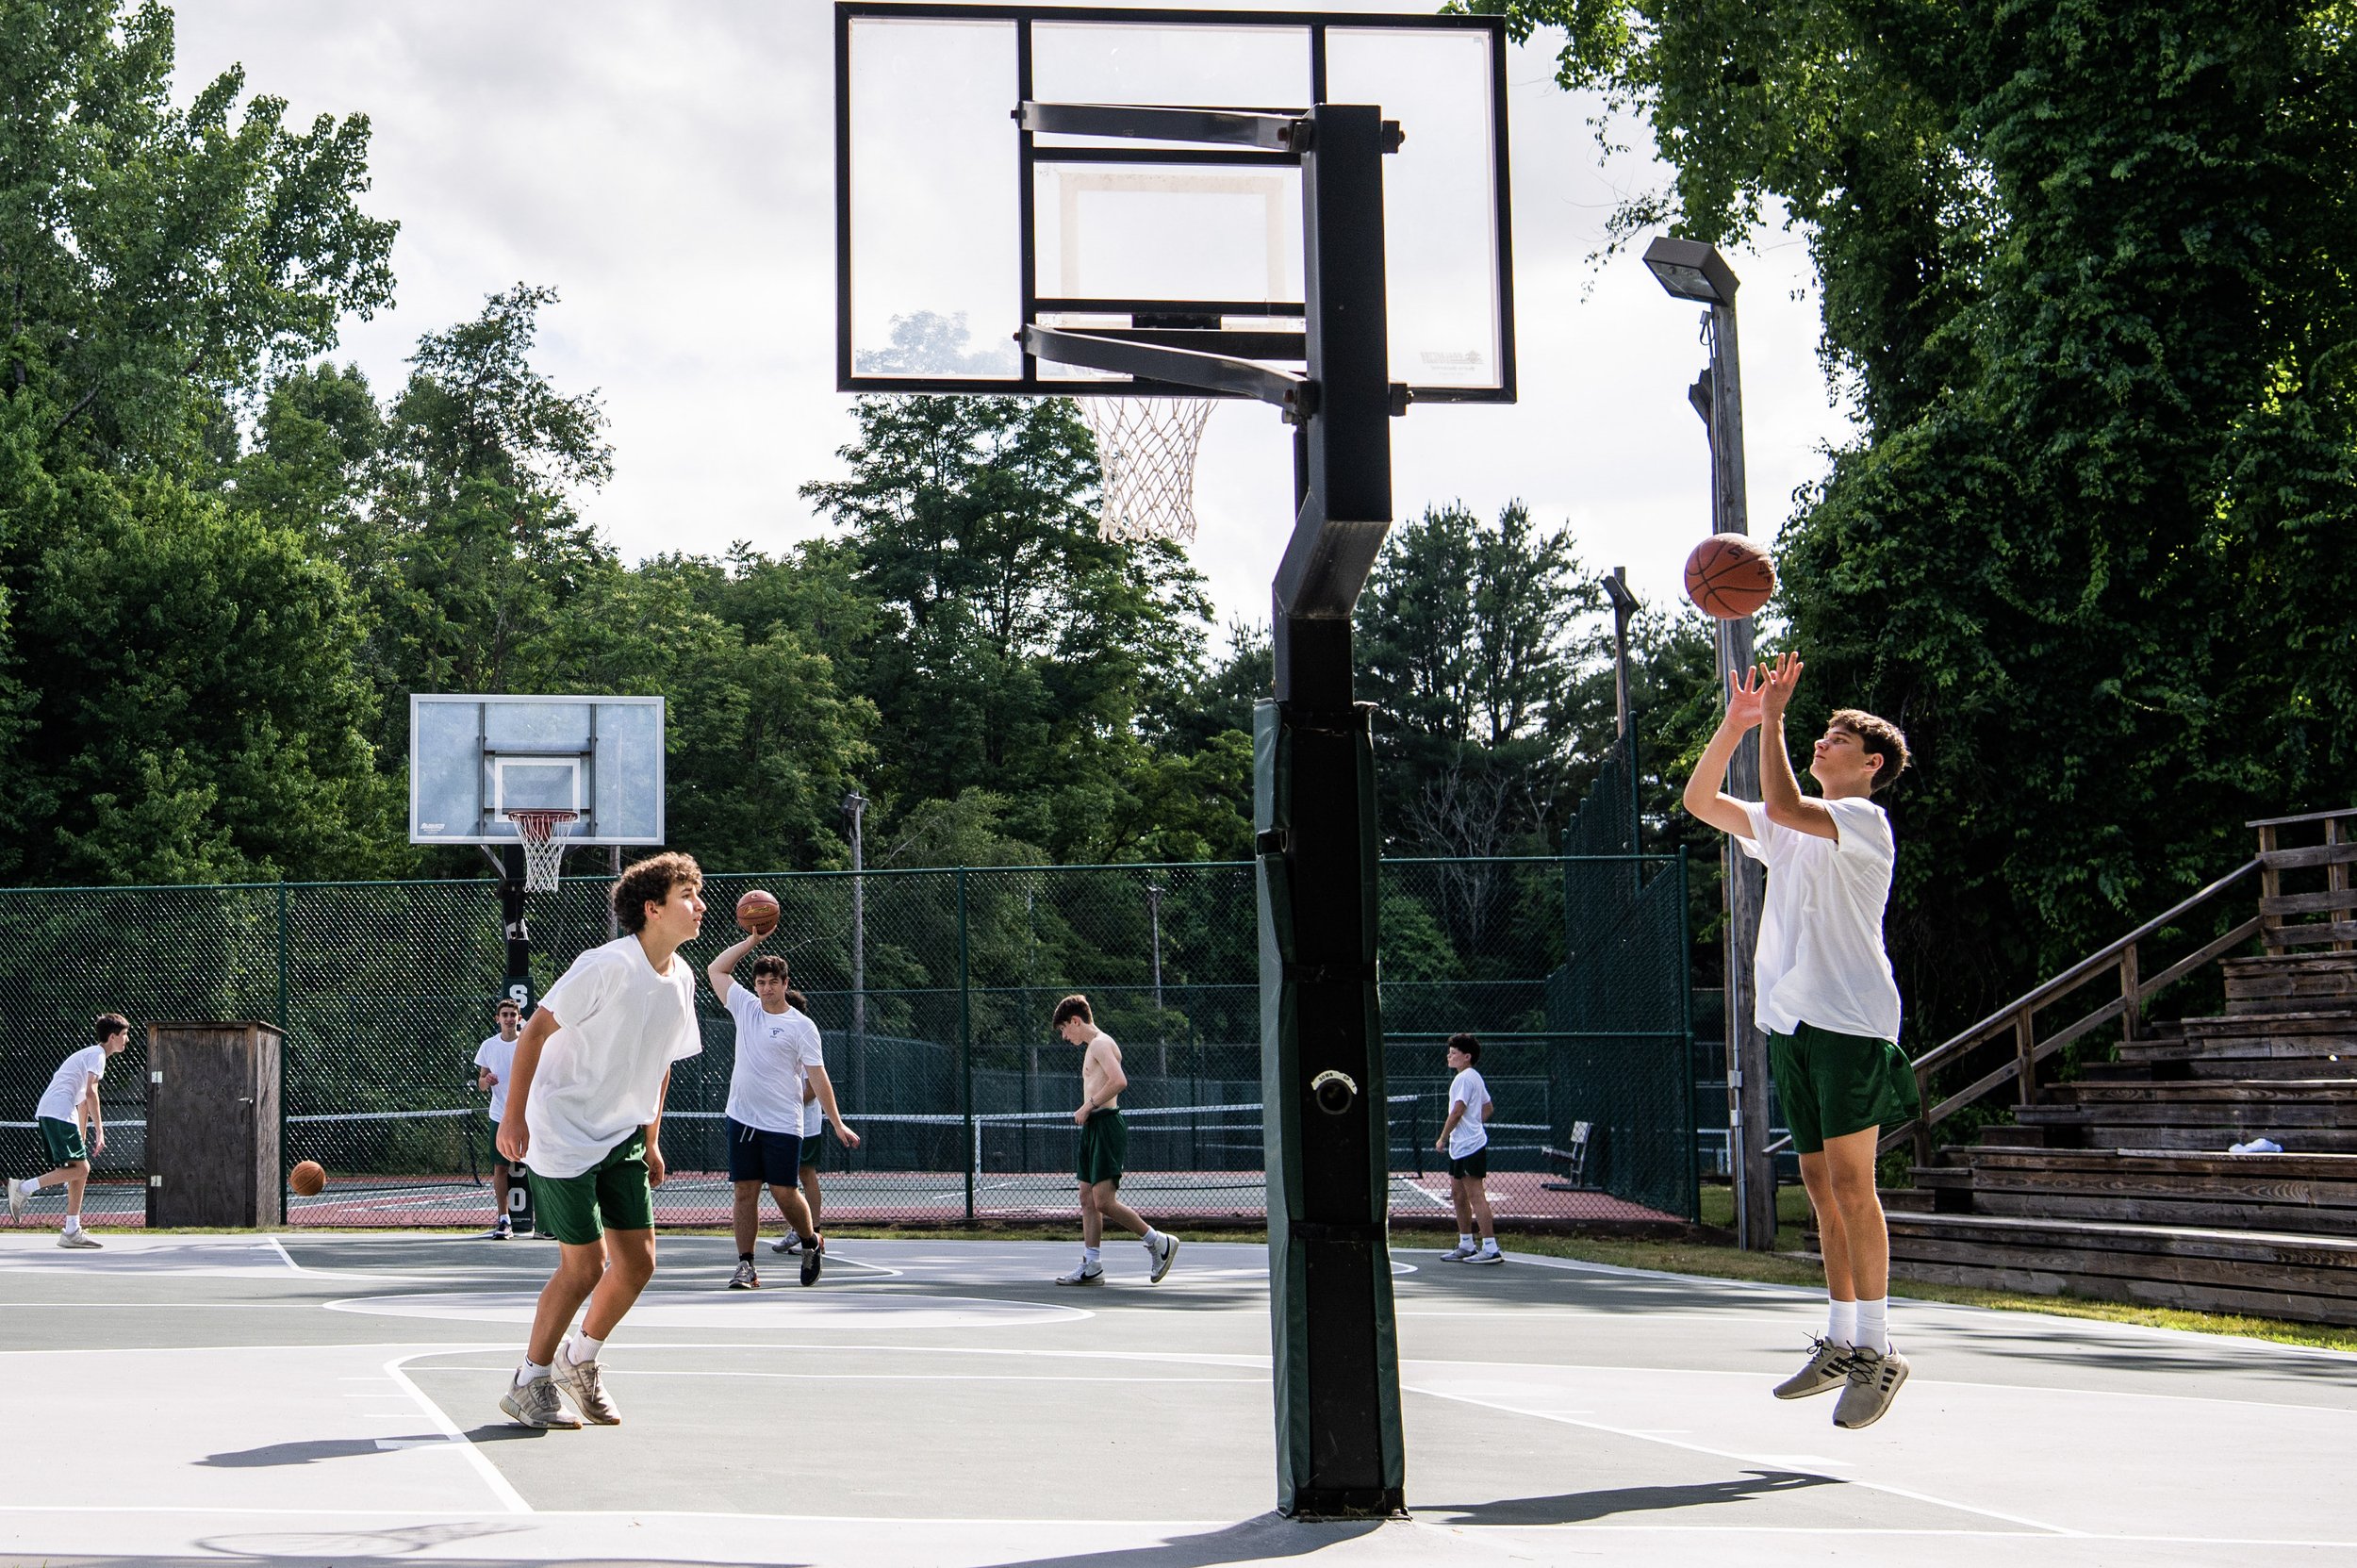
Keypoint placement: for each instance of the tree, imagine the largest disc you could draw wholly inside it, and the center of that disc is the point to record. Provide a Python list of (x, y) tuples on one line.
[(2082, 275), (152, 259), (1468, 645)]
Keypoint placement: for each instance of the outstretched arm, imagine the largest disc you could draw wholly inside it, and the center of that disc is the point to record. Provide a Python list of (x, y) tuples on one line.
[(1779, 788), (1704, 800), (723, 966)]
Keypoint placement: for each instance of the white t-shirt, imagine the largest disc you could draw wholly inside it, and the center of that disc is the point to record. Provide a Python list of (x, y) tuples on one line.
[(773, 1052), (1468, 1090), (620, 1028), (499, 1055), (1821, 958), (70, 1082), (814, 1114)]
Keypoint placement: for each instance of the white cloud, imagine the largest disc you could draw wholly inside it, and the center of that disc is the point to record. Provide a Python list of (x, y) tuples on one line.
[(670, 169)]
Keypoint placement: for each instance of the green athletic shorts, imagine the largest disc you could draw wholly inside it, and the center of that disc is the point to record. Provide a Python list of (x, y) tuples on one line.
[(1104, 1147), (612, 1194), (64, 1140), (1831, 1086)]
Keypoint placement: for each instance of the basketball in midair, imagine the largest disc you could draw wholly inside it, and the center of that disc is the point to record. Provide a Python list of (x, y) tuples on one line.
[(307, 1180), (757, 913), (1730, 576)]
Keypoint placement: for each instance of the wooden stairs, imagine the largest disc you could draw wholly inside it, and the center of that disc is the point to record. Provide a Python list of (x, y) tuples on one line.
[(2118, 1183)]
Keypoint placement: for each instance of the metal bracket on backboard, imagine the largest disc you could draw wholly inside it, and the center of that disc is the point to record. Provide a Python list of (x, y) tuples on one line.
[(1297, 395)]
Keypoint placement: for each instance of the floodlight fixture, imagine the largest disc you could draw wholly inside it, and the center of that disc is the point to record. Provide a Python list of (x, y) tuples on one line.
[(1690, 269)]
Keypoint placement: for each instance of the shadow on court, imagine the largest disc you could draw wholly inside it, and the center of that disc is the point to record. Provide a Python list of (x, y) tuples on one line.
[(1579, 1508)]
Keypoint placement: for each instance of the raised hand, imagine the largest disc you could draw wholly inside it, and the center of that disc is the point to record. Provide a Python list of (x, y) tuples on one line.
[(1746, 689), (1776, 689)]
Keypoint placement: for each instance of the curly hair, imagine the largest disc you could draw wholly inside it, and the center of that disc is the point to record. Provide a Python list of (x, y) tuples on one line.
[(650, 881)]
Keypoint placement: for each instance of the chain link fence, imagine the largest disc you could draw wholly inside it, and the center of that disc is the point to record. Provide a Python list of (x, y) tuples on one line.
[(932, 990)]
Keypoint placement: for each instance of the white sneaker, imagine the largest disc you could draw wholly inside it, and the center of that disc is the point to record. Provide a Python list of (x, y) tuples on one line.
[(788, 1244), (18, 1190), (79, 1239), (536, 1404), (1457, 1254), (1487, 1255), (1161, 1257), (1087, 1274)]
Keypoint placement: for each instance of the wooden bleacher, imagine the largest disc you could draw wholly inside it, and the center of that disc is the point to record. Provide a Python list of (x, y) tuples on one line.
[(2118, 1183)]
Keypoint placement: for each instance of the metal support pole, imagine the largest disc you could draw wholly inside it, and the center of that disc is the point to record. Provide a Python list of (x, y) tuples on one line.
[(1154, 918), (856, 805), (1339, 1447), (518, 986), (1622, 604), (965, 1044), (1719, 397)]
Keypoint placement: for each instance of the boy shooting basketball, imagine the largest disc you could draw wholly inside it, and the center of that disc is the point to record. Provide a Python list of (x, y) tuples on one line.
[(775, 1046), (585, 1107), (493, 1060), (1104, 1149), (1828, 1002), (68, 1109)]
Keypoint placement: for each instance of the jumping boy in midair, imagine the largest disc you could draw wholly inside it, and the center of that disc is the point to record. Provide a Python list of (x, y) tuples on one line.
[(69, 1107), (1827, 1002), (584, 1109)]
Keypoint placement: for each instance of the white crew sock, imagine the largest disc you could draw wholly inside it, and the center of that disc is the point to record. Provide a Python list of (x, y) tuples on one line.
[(1874, 1326), (1464, 1240), (1089, 1255), (529, 1370), (73, 1222), (581, 1348), (1489, 1244), (1841, 1322), (32, 1186)]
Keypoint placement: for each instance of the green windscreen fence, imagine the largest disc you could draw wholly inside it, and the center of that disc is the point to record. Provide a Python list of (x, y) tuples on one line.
[(933, 991)]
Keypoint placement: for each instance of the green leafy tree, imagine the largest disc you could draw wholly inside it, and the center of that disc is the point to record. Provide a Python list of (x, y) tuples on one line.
[(152, 259), (2085, 274)]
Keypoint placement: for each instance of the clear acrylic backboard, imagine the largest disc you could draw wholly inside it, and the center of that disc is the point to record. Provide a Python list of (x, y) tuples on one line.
[(473, 759), (956, 227)]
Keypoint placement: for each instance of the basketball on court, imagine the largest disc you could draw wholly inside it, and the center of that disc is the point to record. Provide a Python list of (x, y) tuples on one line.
[(1730, 576), (757, 913), (307, 1180)]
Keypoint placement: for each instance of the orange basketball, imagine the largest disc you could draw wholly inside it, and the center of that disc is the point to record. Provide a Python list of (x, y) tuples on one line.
[(757, 913), (307, 1180), (1730, 576)]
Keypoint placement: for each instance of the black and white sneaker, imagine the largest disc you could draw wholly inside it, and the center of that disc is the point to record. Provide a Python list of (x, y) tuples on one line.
[(502, 1229), (1827, 1367), (1161, 1253), (1087, 1274), (1874, 1379), (814, 1253), (788, 1244), (743, 1279)]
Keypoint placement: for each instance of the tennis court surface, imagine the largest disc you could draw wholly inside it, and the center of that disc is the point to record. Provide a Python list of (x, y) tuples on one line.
[(331, 1398)]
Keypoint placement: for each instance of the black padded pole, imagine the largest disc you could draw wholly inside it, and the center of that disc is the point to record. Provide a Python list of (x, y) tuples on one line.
[(1338, 1447)]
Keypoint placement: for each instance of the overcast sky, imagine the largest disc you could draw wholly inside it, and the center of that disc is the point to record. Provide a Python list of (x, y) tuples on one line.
[(669, 168)]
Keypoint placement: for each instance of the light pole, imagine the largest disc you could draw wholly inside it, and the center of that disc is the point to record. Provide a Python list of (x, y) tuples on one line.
[(1154, 915), (855, 804), (1688, 270), (1623, 605)]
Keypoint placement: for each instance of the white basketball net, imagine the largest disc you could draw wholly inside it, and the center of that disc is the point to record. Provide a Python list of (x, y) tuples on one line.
[(542, 833), (1145, 447)]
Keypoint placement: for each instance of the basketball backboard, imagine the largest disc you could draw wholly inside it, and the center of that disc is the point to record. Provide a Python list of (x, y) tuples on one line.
[(475, 759), (956, 227)]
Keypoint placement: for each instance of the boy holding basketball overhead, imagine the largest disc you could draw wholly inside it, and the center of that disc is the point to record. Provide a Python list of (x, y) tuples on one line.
[(584, 1108), (774, 1045), (1827, 1002)]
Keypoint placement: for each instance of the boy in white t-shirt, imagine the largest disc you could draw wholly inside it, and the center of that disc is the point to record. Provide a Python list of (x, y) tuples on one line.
[(67, 1107), (585, 1111), (492, 1061), (819, 1110), (1827, 1000), (775, 1046), (1465, 1135)]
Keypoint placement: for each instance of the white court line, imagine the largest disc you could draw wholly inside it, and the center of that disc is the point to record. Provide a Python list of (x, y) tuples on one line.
[(449, 1429), (1123, 1380), (1179, 1526), (1747, 1458), (284, 1255)]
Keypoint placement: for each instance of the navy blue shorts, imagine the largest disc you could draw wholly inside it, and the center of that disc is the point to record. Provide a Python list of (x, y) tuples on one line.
[(758, 1156)]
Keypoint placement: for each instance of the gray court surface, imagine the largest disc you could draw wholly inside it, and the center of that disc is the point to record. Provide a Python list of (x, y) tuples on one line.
[(309, 1399)]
